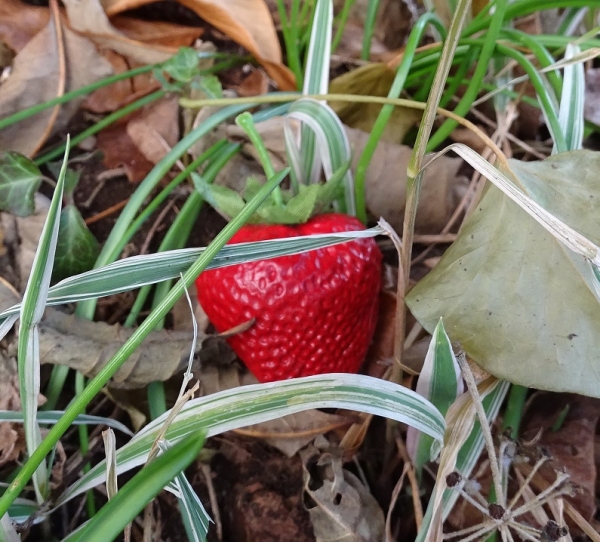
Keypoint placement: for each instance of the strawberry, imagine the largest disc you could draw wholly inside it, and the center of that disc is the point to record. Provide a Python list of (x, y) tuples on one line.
[(314, 312)]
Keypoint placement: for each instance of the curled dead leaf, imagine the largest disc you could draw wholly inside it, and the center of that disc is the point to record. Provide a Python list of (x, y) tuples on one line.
[(86, 346), (55, 61), (247, 22), (88, 17), (340, 506)]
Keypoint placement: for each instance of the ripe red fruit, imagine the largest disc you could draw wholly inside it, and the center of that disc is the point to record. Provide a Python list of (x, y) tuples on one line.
[(315, 312)]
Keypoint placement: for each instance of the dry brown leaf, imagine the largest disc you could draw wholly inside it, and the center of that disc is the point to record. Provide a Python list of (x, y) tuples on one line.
[(571, 446), (55, 61), (340, 507), (247, 22), (592, 95), (119, 150), (156, 129), (86, 346), (112, 97), (254, 84), (291, 433), (12, 440), (88, 17), (157, 32), (19, 22), (441, 190), (371, 80)]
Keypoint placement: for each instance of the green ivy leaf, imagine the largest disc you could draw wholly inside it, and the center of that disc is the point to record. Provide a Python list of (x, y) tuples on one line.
[(77, 249), (19, 180), (210, 86), (227, 201), (182, 67), (71, 180)]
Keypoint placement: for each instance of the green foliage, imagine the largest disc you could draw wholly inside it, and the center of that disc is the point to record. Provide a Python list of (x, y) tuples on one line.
[(520, 303), (20, 179), (295, 208), (77, 248), (139, 491)]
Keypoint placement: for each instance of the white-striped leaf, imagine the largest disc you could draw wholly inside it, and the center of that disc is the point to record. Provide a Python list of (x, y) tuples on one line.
[(570, 113), (137, 271), (50, 417), (333, 147), (31, 312), (441, 383), (246, 405)]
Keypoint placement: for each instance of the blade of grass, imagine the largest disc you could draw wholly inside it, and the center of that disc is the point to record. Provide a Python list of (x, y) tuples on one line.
[(139, 491), (316, 81), (570, 113), (235, 408), (476, 79), (137, 271), (98, 382), (32, 310), (369, 29), (414, 39), (118, 235), (413, 186)]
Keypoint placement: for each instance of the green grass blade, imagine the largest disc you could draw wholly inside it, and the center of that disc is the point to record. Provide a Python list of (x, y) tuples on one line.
[(467, 456), (331, 141), (131, 273), (79, 403), (570, 113), (32, 310), (246, 405), (441, 383), (50, 417), (369, 28), (414, 39), (139, 491), (118, 237), (316, 81), (195, 517), (477, 77)]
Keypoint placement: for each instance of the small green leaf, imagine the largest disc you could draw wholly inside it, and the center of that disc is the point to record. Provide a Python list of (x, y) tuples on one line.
[(227, 201), (303, 205), (77, 249), (210, 86), (71, 179), (183, 67), (19, 180)]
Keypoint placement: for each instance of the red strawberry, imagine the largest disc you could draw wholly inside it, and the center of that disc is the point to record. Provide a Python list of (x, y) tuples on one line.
[(315, 312)]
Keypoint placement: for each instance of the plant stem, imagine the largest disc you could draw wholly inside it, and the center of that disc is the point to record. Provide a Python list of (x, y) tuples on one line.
[(386, 111), (35, 109), (414, 175)]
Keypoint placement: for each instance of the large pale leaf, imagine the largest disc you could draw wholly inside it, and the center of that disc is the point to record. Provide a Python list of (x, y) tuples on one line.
[(518, 301)]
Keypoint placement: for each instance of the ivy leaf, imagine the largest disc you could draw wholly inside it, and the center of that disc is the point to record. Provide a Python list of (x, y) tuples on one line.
[(182, 67), (19, 180), (520, 303), (71, 180), (77, 249)]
